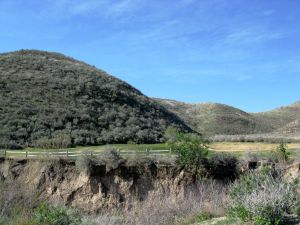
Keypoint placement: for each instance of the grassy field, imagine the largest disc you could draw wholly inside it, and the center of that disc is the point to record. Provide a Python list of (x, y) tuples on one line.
[(137, 147), (248, 146), (217, 146), (237, 148)]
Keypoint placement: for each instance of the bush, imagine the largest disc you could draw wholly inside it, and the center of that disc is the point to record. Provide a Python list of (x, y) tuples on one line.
[(50, 215), (203, 217), (192, 150), (238, 211), (282, 154), (262, 197), (57, 142)]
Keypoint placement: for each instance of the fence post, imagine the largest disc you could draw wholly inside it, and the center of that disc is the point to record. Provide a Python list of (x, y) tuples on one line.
[(147, 151), (170, 150), (5, 153), (26, 154), (91, 153), (67, 153)]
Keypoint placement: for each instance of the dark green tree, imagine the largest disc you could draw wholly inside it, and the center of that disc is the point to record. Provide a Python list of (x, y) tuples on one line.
[(192, 149)]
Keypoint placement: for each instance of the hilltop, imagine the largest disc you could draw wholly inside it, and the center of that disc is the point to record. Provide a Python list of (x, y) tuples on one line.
[(50, 96), (219, 119)]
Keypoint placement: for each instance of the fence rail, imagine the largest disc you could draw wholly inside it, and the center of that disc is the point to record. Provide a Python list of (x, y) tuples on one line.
[(72, 154)]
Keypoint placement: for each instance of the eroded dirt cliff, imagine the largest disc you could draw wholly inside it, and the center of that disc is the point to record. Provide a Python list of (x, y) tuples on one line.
[(103, 187)]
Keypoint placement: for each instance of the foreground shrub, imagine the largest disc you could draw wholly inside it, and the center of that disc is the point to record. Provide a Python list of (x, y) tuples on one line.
[(59, 215), (262, 197), (203, 217), (282, 154)]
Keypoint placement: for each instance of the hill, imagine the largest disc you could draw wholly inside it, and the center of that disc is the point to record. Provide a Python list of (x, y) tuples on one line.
[(280, 117), (48, 96), (212, 118), (219, 119)]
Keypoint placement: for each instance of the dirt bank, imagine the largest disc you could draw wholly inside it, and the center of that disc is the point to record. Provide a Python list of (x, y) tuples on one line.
[(102, 187)]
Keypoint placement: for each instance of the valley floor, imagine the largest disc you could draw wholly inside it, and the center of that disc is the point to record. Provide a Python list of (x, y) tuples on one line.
[(237, 148)]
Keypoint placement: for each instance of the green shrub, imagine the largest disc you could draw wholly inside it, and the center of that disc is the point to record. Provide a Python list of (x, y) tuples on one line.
[(268, 216), (238, 211), (282, 154), (50, 215), (192, 150), (203, 217), (262, 197)]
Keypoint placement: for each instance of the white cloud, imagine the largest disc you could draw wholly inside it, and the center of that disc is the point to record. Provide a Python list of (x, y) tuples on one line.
[(105, 8), (252, 35), (82, 7)]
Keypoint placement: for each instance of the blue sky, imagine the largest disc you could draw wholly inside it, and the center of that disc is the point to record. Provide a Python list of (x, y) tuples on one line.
[(238, 52)]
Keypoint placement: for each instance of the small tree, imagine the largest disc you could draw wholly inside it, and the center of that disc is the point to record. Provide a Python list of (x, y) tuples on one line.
[(282, 153), (191, 148)]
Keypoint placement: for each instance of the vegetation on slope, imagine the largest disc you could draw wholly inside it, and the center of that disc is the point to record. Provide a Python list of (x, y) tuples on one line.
[(280, 117), (47, 96), (219, 119), (213, 118), (290, 128)]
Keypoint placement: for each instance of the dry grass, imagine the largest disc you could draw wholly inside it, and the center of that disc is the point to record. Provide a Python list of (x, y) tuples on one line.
[(169, 208), (248, 146)]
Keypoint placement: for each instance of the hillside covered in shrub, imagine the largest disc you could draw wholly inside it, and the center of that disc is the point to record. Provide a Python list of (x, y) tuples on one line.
[(220, 119), (50, 99), (213, 118)]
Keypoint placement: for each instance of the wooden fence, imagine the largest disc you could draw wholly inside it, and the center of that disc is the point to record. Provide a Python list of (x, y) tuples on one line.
[(73, 154)]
